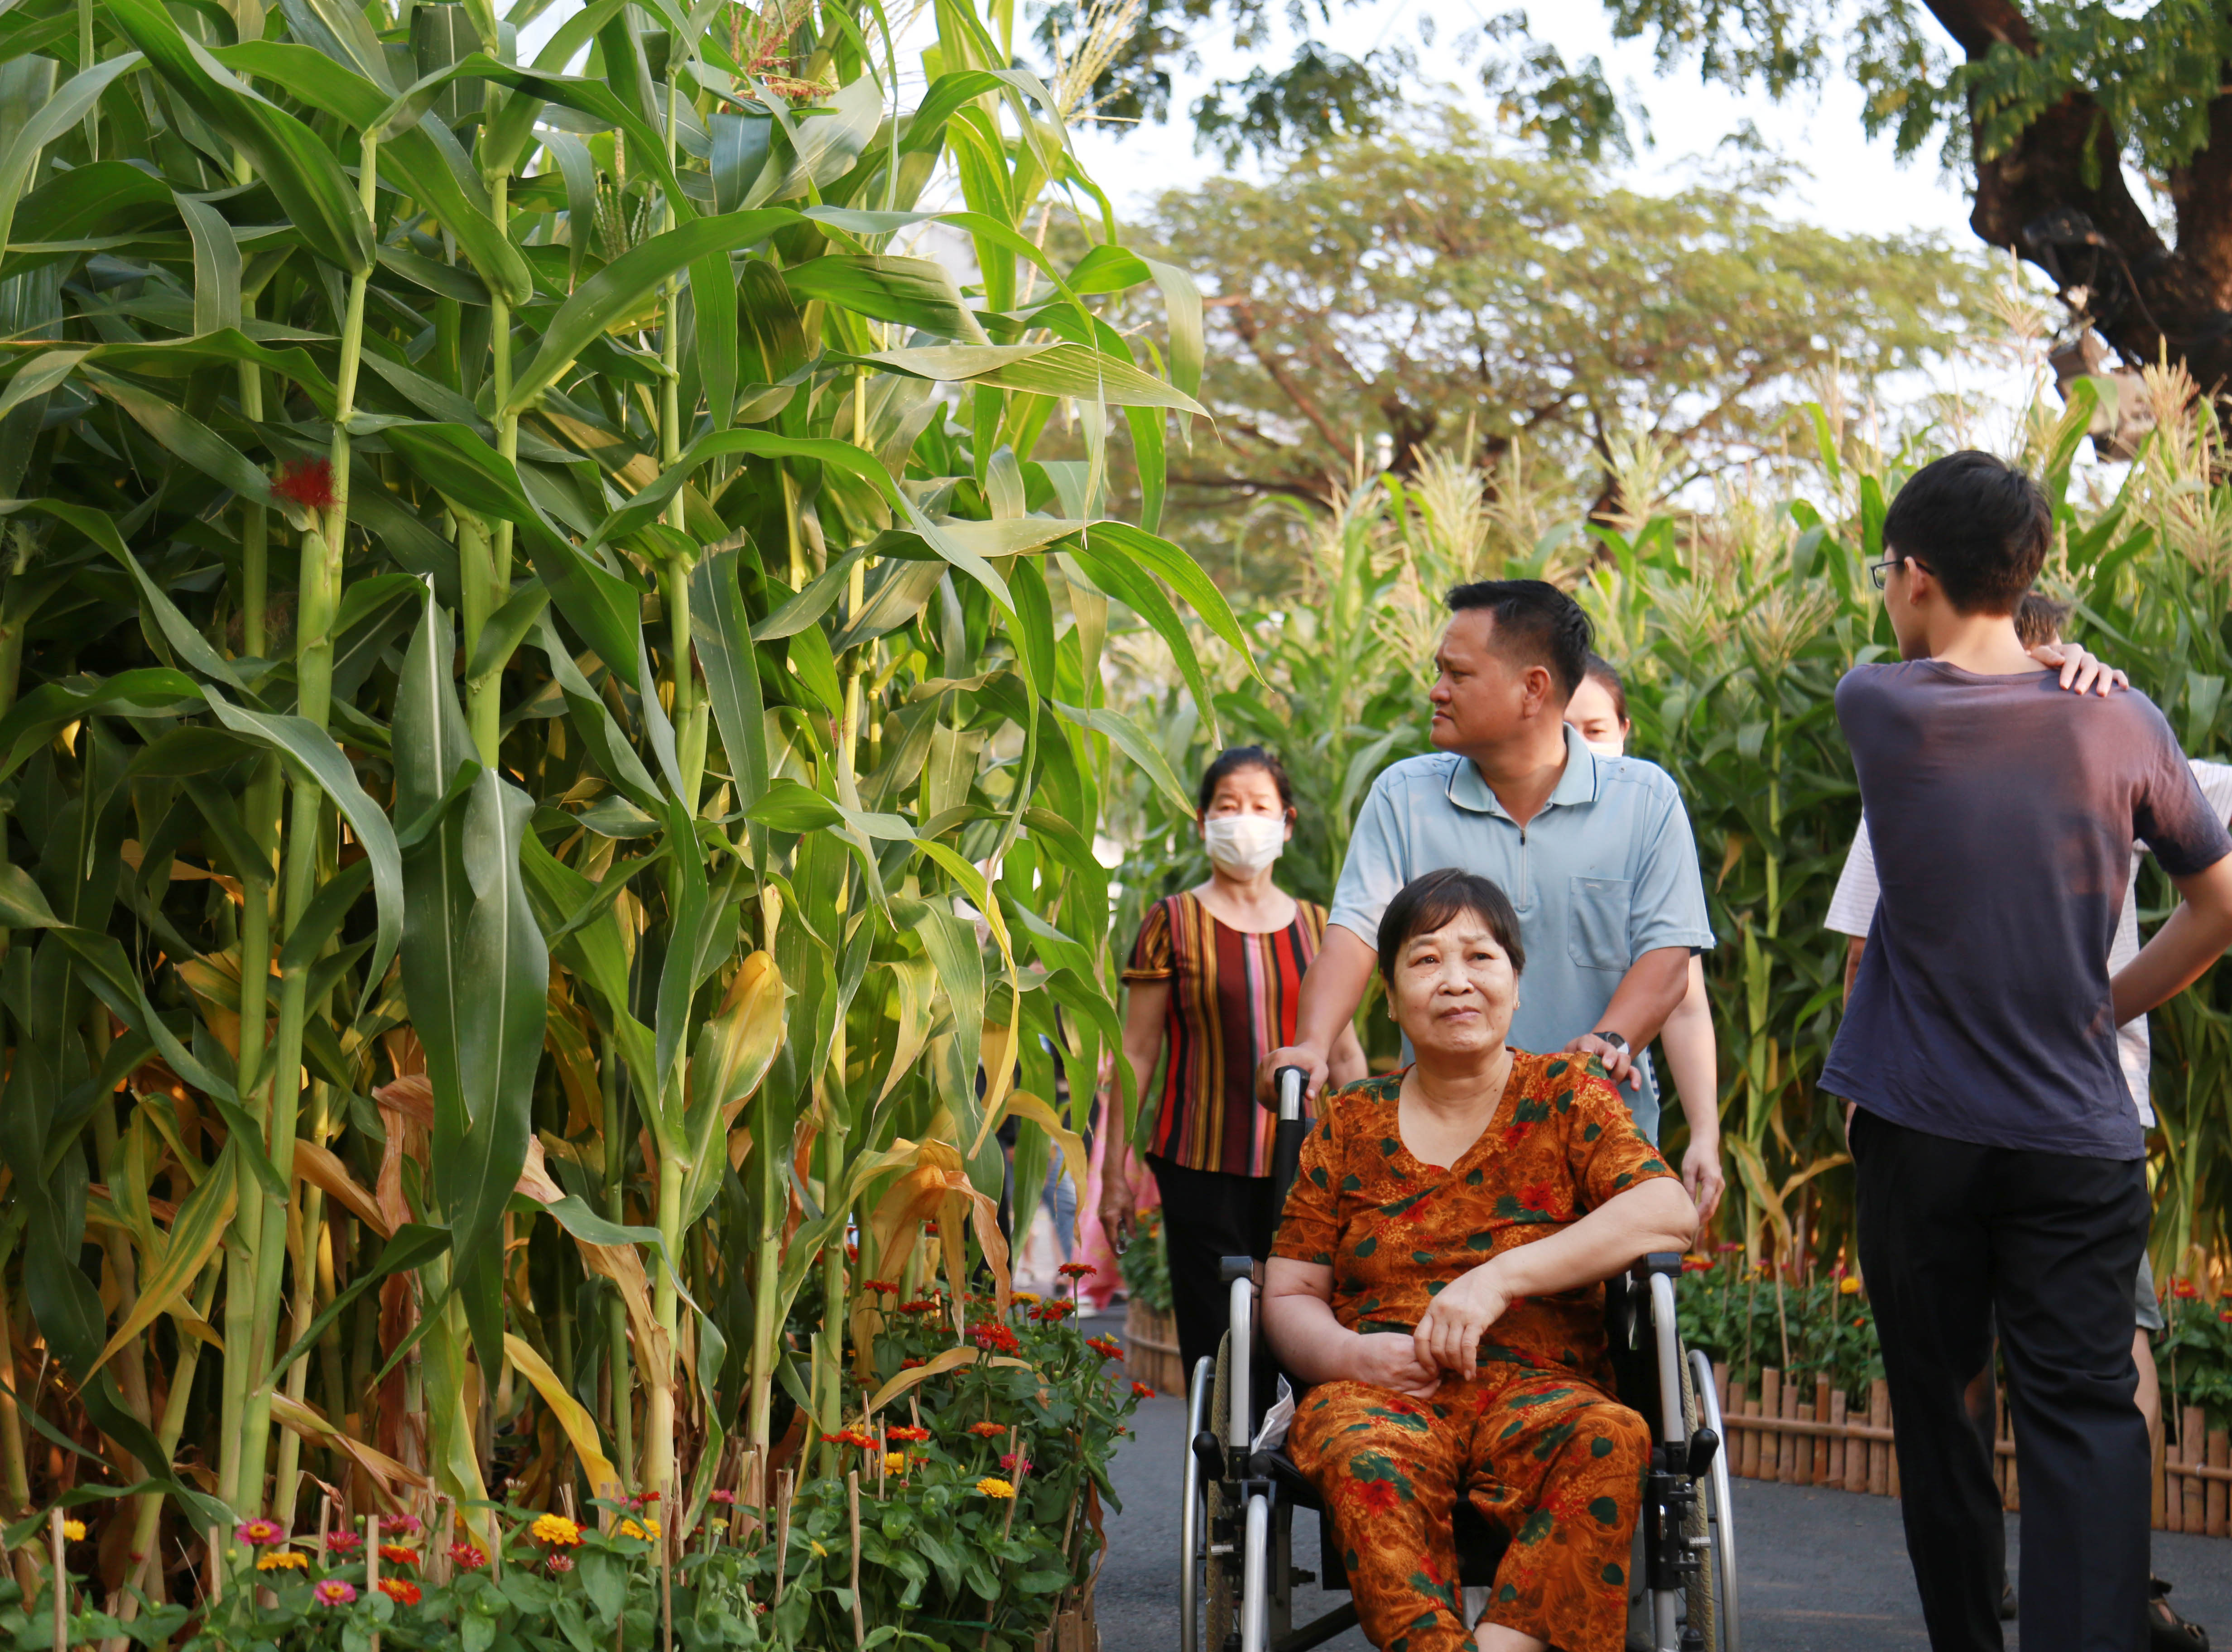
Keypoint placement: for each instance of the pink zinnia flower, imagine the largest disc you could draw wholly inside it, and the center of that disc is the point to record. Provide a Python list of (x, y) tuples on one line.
[(335, 1592), (260, 1533)]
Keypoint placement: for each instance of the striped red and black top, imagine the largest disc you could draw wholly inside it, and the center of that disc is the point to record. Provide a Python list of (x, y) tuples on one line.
[(1233, 1001)]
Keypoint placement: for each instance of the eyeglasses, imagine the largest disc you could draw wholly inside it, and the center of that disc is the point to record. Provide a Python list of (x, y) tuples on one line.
[(1879, 571)]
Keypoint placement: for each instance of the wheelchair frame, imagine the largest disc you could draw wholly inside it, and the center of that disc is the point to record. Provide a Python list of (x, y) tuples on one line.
[(1235, 1518)]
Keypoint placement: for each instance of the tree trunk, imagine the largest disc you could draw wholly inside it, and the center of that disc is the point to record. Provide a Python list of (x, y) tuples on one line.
[(2058, 196)]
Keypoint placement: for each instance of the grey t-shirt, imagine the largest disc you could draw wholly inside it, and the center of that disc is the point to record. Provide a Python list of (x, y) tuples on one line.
[(2002, 810)]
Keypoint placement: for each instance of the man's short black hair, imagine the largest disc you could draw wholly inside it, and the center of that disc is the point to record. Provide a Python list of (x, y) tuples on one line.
[(1539, 623), (1978, 523), (1430, 900)]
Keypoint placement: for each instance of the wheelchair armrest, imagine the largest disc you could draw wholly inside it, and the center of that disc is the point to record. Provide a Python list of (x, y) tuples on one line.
[(1668, 1262)]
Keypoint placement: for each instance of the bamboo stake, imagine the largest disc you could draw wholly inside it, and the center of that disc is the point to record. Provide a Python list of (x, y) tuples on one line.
[(216, 1568), (853, 1502), (781, 1532), (371, 1565), (62, 1580)]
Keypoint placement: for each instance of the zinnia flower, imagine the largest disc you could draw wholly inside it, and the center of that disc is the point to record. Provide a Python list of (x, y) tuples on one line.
[(259, 1533), (723, 1494), (561, 1563), (1849, 1286), (400, 1525), (882, 1287), (988, 1430), (73, 1531), (1077, 1270), (468, 1557), (333, 1592), (992, 1485), (401, 1591), (396, 1554), (1143, 1391), (1106, 1347), (920, 1304), (282, 1560), (907, 1436), (556, 1530), (1026, 1298), (1016, 1464), (895, 1463), (648, 1530), (853, 1437), (342, 1541), (912, 1363), (994, 1338), (1052, 1313)]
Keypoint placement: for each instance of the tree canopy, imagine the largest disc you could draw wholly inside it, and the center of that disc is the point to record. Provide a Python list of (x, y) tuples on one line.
[(2052, 108), (1430, 279)]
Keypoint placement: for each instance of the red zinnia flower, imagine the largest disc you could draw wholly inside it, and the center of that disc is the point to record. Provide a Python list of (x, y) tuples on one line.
[(1016, 1463), (853, 1437), (401, 1591), (307, 483), (1106, 1347), (912, 1362), (401, 1525), (920, 1304), (396, 1554), (906, 1436), (342, 1541), (1077, 1270), (723, 1494), (882, 1287), (2183, 1289), (988, 1430), (468, 1557), (994, 1338), (561, 1563), (1143, 1391)]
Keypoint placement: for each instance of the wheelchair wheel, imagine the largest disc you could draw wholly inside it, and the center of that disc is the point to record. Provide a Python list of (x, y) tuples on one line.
[(1223, 1592), (1193, 1529), (1722, 1554), (1702, 1595)]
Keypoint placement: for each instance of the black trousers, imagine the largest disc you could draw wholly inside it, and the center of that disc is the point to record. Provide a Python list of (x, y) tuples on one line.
[(1209, 1216), (1953, 1236)]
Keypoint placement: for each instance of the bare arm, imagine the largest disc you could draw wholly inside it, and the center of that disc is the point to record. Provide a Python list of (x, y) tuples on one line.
[(1145, 1004), (1693, 1063), (2193, 938), (1314, 1347), (1655, 1215), (1346, 1063), (1333, 987), (1854, 945), (1646, 995)]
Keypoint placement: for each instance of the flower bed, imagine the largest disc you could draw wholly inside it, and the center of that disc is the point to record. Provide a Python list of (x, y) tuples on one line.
[(961, 1506)]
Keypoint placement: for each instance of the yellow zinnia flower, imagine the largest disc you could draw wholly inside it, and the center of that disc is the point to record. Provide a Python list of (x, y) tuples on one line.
[(1027, 1297), (556, 1529), (1849, 1286), (73, 1531), (282, 1560), (895, 1463), (992, 1485)]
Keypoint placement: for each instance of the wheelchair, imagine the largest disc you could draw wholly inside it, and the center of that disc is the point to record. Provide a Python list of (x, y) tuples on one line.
[(1235, 1592)]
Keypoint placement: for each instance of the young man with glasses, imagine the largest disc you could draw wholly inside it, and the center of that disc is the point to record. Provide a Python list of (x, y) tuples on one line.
[(1998, 1153)]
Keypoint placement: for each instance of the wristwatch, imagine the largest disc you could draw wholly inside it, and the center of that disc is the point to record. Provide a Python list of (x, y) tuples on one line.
[(1610, 1037)]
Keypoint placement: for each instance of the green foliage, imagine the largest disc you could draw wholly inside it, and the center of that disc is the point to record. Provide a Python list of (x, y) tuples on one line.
[(1146, 1265), (1806, 1325), (543, 673), (1433, 283)]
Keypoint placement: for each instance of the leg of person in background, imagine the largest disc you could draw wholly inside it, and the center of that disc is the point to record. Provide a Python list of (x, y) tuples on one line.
[(2166, 1630), (1061, 1200), (1208, 1215)]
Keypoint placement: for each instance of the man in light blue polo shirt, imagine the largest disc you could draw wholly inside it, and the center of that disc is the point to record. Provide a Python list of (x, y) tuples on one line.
[(1595, 852)]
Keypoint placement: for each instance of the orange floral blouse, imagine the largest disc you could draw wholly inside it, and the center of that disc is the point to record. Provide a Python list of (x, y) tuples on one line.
[(1396, 1231)]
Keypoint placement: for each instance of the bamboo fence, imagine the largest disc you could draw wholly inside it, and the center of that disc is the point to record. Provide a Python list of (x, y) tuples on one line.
[(1150, 1349), (1782, 1434)]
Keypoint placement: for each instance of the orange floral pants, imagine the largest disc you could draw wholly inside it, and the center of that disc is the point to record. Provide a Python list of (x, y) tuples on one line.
[(1551, 1459)]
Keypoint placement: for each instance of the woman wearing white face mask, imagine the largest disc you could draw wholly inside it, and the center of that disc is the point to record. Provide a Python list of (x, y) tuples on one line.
[(1598, 712), (1215, 978)]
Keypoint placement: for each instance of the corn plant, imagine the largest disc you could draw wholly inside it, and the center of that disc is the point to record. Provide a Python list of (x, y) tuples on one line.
[(551, 666)]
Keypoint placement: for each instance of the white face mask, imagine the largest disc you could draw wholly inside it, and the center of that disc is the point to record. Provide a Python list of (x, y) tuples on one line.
[(1242, 845), (1605, 748)]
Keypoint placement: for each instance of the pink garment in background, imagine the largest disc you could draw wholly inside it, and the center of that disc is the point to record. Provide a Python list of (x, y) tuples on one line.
[(1092, 1244)]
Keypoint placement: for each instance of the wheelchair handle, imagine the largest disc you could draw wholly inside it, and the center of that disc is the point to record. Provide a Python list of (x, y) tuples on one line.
[(1286, 1135), (1287, 1084)]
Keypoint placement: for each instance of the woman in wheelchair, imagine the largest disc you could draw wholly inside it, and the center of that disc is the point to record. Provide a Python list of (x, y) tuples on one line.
[(1437, 1282)]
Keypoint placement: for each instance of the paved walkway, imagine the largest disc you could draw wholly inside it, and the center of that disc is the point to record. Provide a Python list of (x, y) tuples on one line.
[(1822, 1571)]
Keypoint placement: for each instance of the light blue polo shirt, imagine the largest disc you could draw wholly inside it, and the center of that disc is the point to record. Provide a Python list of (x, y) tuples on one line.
[(1607, 873)]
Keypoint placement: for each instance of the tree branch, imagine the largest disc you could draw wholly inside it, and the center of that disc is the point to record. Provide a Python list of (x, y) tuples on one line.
[(1245, 325)]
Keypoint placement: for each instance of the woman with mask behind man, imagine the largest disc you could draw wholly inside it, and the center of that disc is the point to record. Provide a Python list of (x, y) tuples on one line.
[(1213, 983)]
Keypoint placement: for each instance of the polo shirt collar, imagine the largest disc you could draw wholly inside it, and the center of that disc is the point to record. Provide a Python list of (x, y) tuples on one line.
[(1469, 788)]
